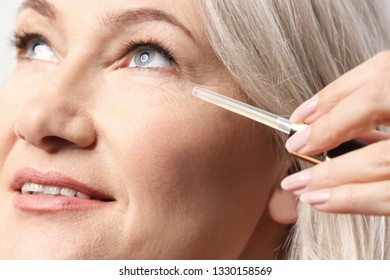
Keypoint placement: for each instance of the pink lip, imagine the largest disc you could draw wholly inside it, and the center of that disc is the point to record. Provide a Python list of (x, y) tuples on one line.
[(48, 204)]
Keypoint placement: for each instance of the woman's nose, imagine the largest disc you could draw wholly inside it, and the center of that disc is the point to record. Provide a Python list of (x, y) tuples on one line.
[(57, 117)]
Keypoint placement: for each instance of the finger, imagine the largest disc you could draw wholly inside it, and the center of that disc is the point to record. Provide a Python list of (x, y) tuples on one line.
[(374, 136), (369, 164), (348, 83), (352, 117), (369, 198)]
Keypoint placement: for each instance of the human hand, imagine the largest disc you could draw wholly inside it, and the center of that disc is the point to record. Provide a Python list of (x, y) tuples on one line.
[(350, 107)]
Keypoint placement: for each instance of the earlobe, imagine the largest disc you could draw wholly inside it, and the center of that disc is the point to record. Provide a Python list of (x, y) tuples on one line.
[(282, 206)]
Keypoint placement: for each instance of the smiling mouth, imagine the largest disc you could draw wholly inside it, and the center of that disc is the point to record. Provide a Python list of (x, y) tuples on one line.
[(37, 189), (52, 192)]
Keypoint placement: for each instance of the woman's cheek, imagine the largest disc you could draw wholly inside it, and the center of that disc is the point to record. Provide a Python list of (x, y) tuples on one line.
[(178, 168)]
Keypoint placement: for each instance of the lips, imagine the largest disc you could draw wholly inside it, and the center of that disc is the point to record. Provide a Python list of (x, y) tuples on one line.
[(56, 192)]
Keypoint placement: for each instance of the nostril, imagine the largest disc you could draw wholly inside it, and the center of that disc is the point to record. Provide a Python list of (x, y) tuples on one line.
[(55, 143), (51, 139), (68, 129)]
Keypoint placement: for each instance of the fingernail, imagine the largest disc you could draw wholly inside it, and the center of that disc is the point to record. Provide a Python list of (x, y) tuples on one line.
[(317, 197), (296, 181), (305, 109), (298, 140)]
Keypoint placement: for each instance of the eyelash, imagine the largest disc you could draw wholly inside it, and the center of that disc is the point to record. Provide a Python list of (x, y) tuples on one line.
[(21, 41), (132, 46)]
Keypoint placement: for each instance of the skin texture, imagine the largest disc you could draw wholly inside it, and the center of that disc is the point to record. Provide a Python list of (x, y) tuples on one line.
[(189, 180), (359, 181)]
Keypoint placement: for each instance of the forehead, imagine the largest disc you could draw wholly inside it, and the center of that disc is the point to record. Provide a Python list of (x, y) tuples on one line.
[(111, 13)]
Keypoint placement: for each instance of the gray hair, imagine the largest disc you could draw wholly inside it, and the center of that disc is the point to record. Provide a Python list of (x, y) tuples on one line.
[(282, 52)]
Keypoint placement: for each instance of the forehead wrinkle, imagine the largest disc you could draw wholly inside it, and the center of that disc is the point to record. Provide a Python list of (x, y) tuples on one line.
[(114, 18), (42, 7)]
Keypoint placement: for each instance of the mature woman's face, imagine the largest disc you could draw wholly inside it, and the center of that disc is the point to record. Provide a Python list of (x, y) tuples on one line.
[(100, 109)]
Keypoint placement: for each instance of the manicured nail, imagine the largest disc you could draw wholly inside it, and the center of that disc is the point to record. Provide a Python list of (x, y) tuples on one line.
[(298, 140), (305, 109), (316, 197), (296, 181)]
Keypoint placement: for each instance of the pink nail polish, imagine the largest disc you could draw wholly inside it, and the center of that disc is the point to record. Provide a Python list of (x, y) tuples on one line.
[(296, 181), (316, 197), (298, 140), (305, 110)]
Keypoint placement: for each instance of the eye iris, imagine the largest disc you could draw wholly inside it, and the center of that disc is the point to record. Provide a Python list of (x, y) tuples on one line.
[(39, 48), (145, 57)]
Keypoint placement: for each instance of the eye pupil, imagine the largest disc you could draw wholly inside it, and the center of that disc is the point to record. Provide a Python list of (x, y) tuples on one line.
[(38, 48), (144, 57)]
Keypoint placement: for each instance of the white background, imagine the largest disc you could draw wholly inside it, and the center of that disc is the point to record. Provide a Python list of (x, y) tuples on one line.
[(8, 10), (281, 270)]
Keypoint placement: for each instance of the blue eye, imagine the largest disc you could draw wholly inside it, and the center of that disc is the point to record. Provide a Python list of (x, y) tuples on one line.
[(40, 50), (150, 57), (34, 46)]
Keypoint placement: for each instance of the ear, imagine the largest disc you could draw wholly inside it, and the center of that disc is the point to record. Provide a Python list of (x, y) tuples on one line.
[(282, 206)]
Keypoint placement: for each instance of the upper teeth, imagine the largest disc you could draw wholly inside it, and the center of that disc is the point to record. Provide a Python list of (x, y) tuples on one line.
[(36, 189)]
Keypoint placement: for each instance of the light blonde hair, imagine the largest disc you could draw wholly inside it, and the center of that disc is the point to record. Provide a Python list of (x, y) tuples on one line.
[(282, 52)]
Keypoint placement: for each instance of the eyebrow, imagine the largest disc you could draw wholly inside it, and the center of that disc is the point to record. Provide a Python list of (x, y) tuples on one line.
[(42, 7), (112, 19), (116, 18)]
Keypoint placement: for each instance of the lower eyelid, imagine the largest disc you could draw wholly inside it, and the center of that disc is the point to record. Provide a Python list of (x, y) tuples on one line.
[(147, 72)]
